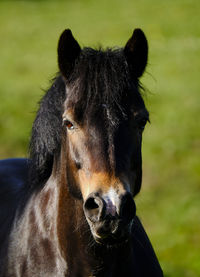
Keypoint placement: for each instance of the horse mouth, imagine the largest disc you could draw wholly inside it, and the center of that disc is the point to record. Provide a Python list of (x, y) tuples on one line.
[(118, 233), (111, 241)]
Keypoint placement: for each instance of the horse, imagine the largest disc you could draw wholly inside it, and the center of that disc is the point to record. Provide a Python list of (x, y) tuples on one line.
[(69, 209)]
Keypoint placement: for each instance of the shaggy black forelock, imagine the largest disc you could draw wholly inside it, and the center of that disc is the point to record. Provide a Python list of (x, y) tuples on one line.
[(100, 81)]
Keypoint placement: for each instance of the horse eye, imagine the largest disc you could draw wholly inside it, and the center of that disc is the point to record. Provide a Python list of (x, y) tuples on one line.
[(142, 123), (69, 125)]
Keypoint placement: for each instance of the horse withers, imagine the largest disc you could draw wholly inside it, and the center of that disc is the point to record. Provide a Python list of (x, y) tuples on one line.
[(69, 210)]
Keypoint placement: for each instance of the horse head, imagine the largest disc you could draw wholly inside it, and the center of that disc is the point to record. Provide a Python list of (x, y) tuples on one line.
[(103, 119)]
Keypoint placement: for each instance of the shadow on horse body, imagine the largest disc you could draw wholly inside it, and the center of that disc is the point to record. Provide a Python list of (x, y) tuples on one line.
[(69, 210)]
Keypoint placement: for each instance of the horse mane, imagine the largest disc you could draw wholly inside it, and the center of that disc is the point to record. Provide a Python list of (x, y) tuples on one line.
[(46, 133), (100, 78)]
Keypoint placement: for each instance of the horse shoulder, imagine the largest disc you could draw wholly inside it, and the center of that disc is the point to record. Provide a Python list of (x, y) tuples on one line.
[(31, 247)]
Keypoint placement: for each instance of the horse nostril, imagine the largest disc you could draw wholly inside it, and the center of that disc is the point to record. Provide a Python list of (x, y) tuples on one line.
[(128, 208), (91, 203), (94, 208)]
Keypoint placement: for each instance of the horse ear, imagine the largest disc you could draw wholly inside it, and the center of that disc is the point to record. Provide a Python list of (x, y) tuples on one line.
[(136, 52), (68, 51)]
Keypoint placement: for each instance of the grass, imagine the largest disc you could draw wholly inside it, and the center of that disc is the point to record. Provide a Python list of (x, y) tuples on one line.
[(169, 202)]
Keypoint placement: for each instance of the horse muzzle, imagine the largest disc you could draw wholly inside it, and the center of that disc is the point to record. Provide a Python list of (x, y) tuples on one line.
[(110, 220)]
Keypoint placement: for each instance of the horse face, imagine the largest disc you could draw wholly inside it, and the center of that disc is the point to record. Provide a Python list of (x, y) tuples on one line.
[(103, 141), (105, 169)]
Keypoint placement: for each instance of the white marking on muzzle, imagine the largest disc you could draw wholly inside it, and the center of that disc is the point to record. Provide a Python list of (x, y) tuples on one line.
[(112, 202)]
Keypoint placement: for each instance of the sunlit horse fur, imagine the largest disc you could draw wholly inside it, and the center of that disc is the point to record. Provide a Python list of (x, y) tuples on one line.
[(69, 209)]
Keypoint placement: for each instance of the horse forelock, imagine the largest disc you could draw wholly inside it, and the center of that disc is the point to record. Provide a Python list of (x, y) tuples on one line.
[(101, 81)]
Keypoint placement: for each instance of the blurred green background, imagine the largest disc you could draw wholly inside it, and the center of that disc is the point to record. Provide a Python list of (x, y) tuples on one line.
[(169, 203)]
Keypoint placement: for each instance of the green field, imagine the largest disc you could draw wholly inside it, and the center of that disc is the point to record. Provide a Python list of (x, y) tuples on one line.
[(169, 203)]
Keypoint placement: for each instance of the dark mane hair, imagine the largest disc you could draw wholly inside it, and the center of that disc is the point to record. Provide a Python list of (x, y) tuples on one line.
[(46, 132), (100, 78)]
